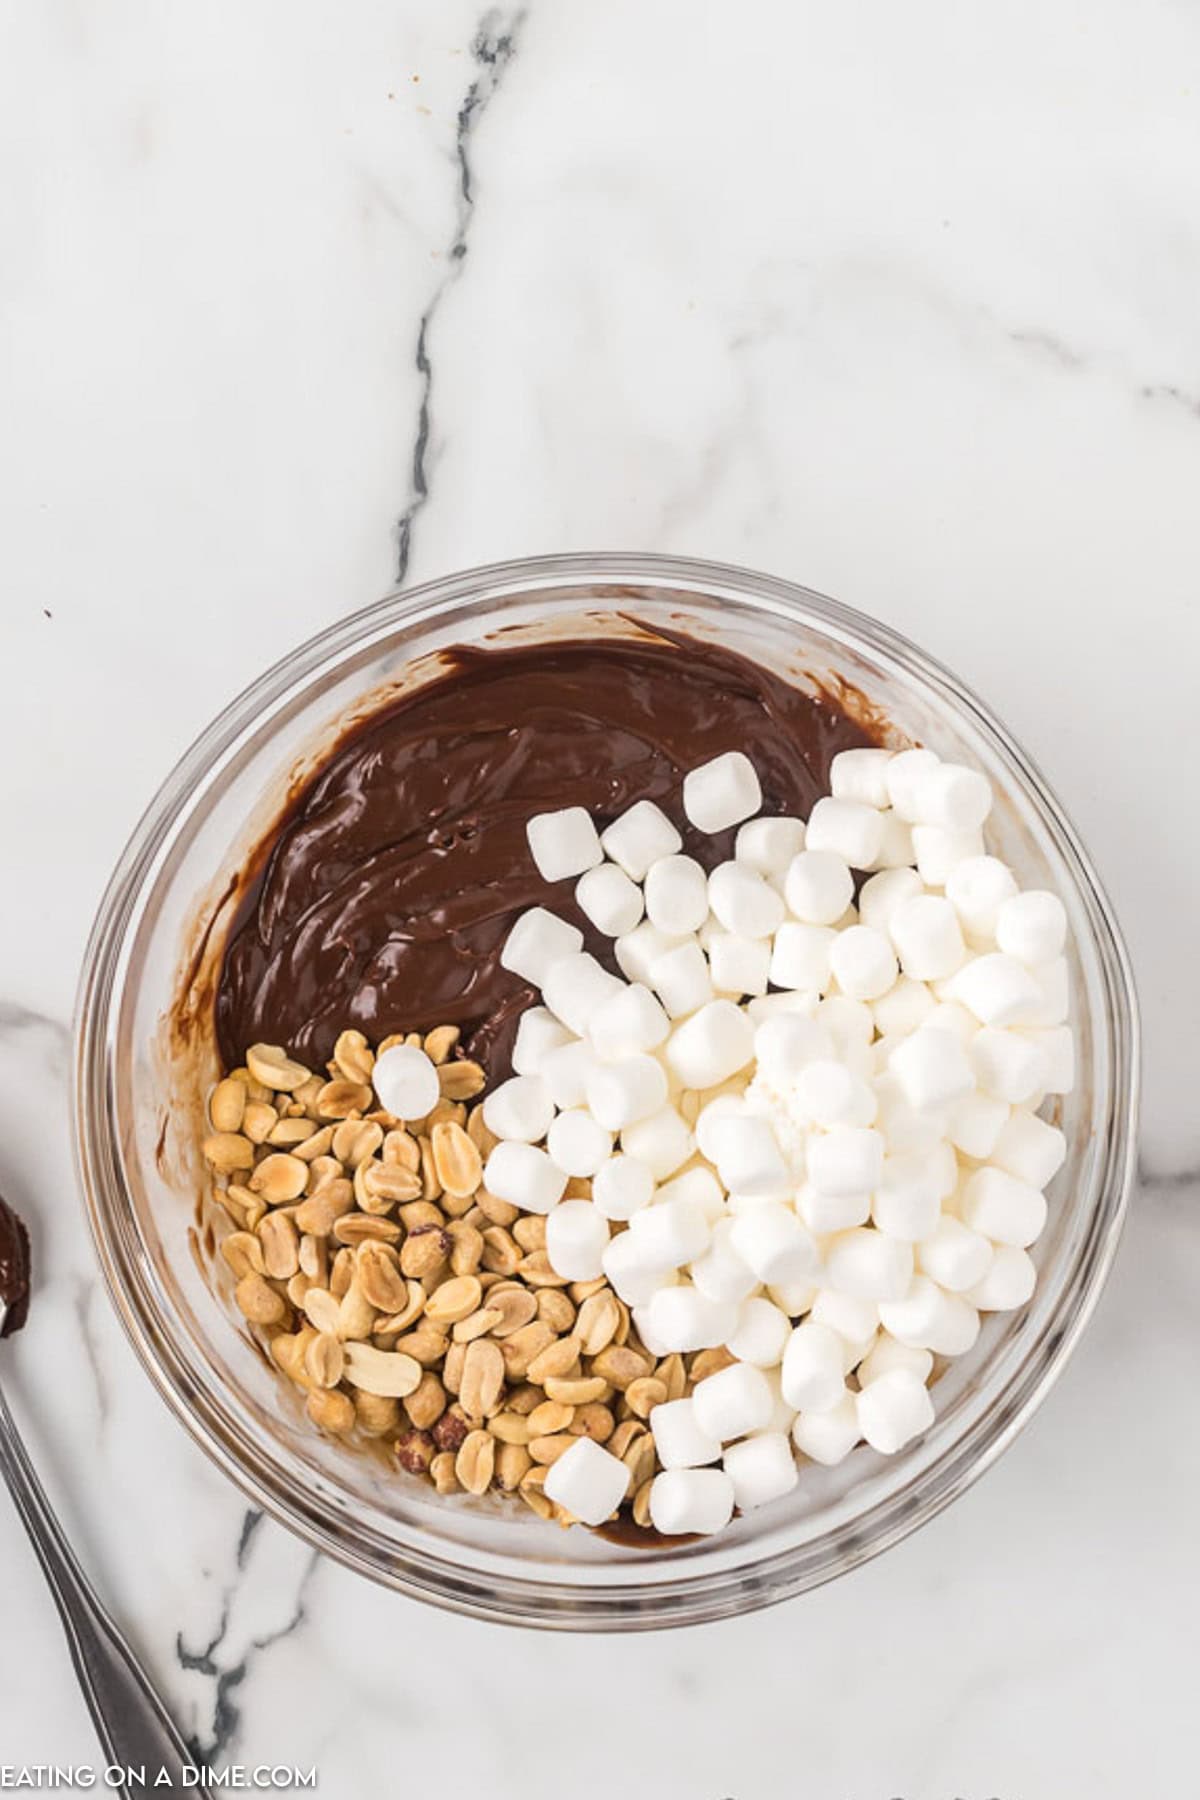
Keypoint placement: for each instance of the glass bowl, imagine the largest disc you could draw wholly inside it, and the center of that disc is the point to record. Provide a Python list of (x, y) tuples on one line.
[(145, 1054)]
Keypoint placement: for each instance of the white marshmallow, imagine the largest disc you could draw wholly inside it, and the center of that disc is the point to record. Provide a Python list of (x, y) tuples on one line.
[(793, 1297), (588, 1481), (621, 1186), (1002, 1208), (954, 797), (860, 775), (827, 1093), (828, 1437), (949, 1015), (997, 988), (678, 1439), (888, 1353), (905, 1005), (762, 1469), (565, 1072), (739, 965), (848, 1159), (932, 1069), (852, 1319), (767, 846), (977, 888), (611, 901), (818, 887), (896, 843), (953, 1255), (1008, 1283), (732, 1402), (800, 955), (1054, 980), (563, 843), (908, 1196), (638, 950), (538, 1033), (720, 1273), (892, 1410), (525, 1177), (536, 942), (744, 903), (823, 1213), (762, 1333), (576, 1239), (1057, 1049), (687, 1502), (868, 1265), (575, 988), (619, 1094), (813, 1368), (1008, 1065), (406, 1082), (771, 1006), (628, 1023), (577, 1144), (939, 852), (974, 1124), (711, 1045), (1029, 1148), (774, 1243), (785, 1044), (670, 1233), (683, 1319), (722, 792), (927, 937), (519, 1110), (1032, 926), (908, 1132), (880, 896), (639, 838), (700, 1185), (928, 1318), (663, 1142), (850, 1023), (902, 777), (633, 1274), (680, 977), (724, 1106), (676, 895), (848, 830), (863, 963), (749, 1159)]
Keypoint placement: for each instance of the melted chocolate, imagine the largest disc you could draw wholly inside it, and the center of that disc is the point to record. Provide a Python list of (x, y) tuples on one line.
[(14, 1269), (391, 884)]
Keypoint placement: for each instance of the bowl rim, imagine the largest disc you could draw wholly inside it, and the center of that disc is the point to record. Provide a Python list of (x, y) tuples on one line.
[(521, 1600)]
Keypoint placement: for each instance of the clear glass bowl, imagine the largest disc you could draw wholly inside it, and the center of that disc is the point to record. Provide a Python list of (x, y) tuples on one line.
[(155, 947)]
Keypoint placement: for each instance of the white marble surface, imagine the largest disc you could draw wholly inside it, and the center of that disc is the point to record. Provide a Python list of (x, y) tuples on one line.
[(897, 301)]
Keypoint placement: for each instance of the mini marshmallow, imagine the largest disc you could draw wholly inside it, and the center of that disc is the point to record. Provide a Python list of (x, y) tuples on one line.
[(525, 1177), (678, 1439), (576, 1239), (932, 1069), (633, 1275), (611, 901), (1002, 1208), (563, 843), (699, 1185), (536, 942), (681, 979), (828, 1437), (1008, 1065), (827, 1093), (1054, 980), (823, 1213), (749, 1160), (883, 893), (905, 1005), (792, 1297), (619, 1094), (686, 1502), (868, 1265), (577, 1143), (975, 1123), (621, 1187), (1032, 926), (767, 846), (565, 1071), (711, 1045), (938, 852), (954, 797), (588, 1481), (743, 902), (953, 1255), (888, 1353), (762, 1333), (638, 950), (771, 1006), (860, 775), (721, 1274), (892, 1410), (676, 895), (928, 1318), (722, 792), (850, 1023), (724, 1106), (1008, 1283), (640, 837), (739, 965), (908, 1197), (762, 1469), (949, 1015), (852, 1319), (406, 1082), (774, 1243), (896, 843), (903, 775), (977, 888), (812, 1368), (907, 1131), (670, 1233), (863, 963), (1029, 1148), (846, 829), (800, 955), (519, 1110), (848, 1159), (538, 1033), (683, 1319), (732, 1402), (662, 1141), (1057, 1049), (575, 988), (628, 1023), (997, 988), (786, 1044), (927, 937), (818, 887)]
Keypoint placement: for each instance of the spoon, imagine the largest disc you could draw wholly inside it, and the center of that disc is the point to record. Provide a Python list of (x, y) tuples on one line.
[(134, 1728)]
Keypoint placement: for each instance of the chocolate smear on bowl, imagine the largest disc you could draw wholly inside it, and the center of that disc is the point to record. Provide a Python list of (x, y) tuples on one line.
[(14, 1269)]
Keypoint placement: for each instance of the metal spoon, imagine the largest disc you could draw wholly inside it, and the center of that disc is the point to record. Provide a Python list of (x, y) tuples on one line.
[(132, 1723)]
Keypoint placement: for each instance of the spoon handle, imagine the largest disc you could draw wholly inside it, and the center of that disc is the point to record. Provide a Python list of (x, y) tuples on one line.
[(134, 1728)]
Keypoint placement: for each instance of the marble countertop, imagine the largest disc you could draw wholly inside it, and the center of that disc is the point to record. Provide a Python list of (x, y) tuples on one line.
[(900, 302)]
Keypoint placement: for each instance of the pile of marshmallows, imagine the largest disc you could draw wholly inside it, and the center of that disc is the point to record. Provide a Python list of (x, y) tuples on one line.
[(795, 1108)]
